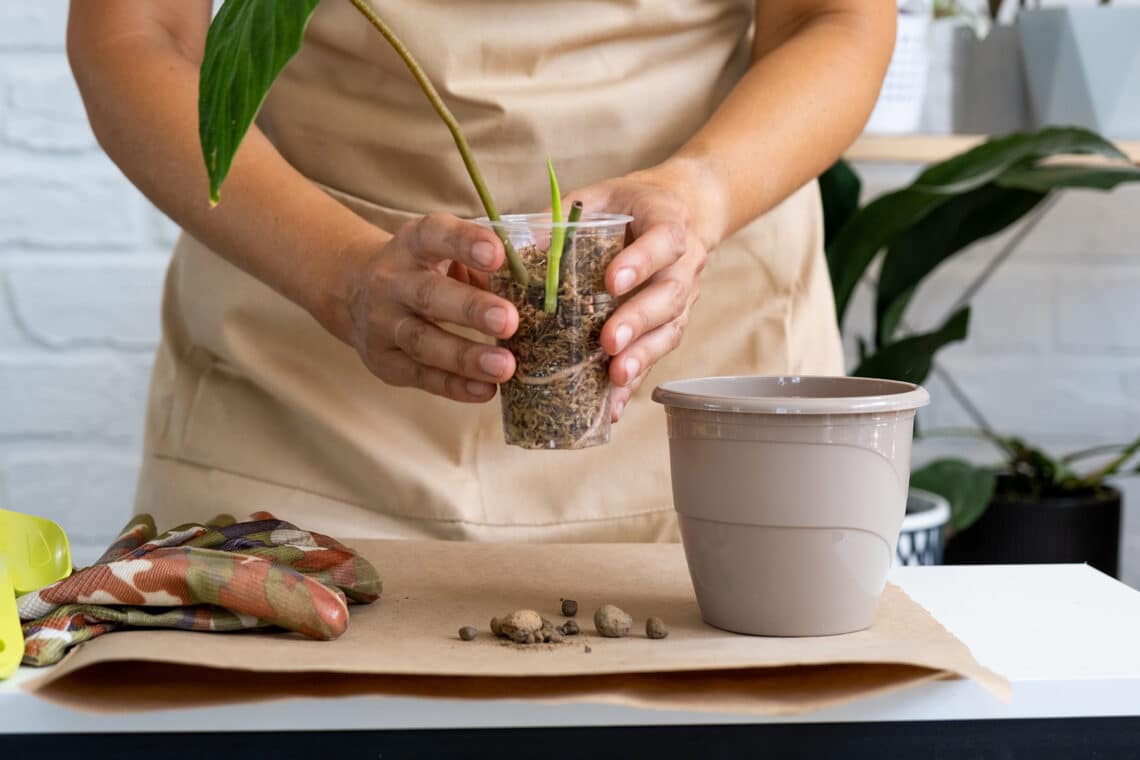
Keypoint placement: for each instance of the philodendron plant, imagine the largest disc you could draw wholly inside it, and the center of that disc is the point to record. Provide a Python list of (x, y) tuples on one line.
[(249, 43), (914, 230), (559, 396)]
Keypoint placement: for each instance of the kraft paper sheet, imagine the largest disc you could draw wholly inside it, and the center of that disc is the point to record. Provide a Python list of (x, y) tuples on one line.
[(406, 643)]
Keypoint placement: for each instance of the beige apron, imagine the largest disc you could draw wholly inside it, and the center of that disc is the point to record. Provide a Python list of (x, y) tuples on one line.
[(254, 406)]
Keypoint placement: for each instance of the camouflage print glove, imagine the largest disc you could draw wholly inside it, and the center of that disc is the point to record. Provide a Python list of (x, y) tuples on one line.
[(220, 576)]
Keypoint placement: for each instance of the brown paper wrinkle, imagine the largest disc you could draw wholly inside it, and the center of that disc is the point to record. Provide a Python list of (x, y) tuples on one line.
[(406, 644)]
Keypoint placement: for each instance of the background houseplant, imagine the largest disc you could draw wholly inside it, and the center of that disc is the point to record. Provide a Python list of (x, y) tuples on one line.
[(914, 230)]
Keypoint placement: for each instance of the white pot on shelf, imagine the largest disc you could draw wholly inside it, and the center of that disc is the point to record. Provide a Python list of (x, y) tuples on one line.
[(900, 104)]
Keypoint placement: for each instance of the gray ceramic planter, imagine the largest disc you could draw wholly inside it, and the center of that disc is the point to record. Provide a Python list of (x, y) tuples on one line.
[(790, 492), (1082, 66)]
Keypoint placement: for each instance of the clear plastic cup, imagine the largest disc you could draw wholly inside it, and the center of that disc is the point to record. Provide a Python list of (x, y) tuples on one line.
[(559, 396)]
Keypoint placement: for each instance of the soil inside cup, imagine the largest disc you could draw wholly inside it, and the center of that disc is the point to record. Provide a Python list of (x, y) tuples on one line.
[(559, 396)]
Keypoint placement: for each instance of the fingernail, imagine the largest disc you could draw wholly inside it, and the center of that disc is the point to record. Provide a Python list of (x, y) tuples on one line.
[(619, 409), (496, 319), (493, 363), (483, 253), (632, 367), (622, 336), (476, 388), (623, 280)]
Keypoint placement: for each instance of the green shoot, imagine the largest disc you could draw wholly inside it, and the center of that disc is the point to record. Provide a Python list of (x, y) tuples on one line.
[(571, 222), (557, 239)]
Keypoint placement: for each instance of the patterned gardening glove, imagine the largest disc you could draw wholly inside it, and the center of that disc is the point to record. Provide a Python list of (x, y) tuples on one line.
[(220, 576)]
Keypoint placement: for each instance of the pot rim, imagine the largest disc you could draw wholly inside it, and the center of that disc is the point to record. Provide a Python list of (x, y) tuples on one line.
[(753, 394), (525, 222)]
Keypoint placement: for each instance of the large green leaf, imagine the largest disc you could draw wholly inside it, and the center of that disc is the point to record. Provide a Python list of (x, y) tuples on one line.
[(987, 161), (248, 44), (909, 359), (865, 234), (946, 230), (968, 488), (874, 227), (839, 189), (1045, 178)]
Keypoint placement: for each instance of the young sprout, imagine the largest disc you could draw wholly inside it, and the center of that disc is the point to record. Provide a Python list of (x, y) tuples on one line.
[(571, 220), (571, 226), (557, 238)]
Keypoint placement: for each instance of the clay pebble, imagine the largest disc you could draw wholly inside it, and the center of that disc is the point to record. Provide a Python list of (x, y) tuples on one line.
[(527, 621), (569, 628), (655, 628), (496, 627), (468, 633), (612, 622), (569, 608)]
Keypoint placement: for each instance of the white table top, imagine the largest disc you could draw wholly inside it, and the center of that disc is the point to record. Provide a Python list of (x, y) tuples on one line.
[(1066, 636)]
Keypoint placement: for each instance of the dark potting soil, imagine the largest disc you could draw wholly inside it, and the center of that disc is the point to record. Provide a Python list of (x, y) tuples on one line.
[(559, 396)]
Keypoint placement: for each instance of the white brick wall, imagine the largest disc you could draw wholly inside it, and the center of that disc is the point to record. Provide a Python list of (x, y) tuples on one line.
[(82, 256), (1054, 351), (1054, 346)]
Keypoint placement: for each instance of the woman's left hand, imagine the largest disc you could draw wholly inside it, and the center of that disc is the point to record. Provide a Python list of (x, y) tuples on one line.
[(660, 269)]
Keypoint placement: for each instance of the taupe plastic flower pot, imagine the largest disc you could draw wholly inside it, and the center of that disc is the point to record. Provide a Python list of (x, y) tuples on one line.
[(790, 492)]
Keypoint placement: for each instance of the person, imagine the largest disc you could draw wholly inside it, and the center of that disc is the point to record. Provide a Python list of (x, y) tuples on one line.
[(325, 354)]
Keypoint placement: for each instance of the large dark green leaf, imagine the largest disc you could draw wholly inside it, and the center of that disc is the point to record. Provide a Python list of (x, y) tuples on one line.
[(839, 189), (1045, 178), (909, 359), (987, 161), (248, 44), (946, 230), (968, 488), (875, 226), (865, 234)]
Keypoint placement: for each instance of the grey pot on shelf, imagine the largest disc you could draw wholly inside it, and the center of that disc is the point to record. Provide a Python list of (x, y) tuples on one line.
[(1082, 66), (976, 84), (923, 529)]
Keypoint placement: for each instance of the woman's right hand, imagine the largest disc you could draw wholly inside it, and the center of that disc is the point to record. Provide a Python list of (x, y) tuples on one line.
[(393, 299)]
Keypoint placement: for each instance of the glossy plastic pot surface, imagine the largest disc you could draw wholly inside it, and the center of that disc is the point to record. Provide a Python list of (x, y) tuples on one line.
[(790, 492)]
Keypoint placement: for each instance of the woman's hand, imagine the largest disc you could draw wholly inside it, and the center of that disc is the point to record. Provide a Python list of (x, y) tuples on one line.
[(394, 297), (660, 268)]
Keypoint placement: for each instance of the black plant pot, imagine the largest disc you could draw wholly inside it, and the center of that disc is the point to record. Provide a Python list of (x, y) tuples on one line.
[(1074, 528)]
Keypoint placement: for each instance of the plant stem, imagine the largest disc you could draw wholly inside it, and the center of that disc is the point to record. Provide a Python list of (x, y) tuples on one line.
[(974, 433), (1108, 448), (571, 220), (513, 260), (1006, 250), (1110, 469)]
